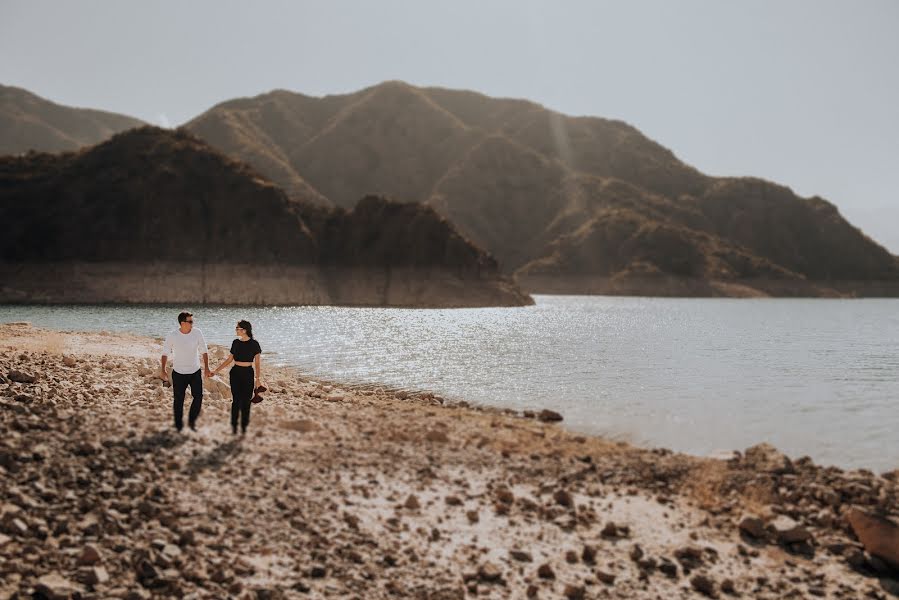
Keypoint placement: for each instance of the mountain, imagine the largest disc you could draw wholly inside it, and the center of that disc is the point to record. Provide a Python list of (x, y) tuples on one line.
[(29, 122), (574, 204), (154, 215)]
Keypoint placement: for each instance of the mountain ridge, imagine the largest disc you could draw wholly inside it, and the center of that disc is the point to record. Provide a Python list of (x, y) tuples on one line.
[(518, 207), (522, 181), (32, 123)]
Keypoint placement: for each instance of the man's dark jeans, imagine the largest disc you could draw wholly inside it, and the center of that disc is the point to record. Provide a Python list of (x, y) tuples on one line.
[(179, 385)]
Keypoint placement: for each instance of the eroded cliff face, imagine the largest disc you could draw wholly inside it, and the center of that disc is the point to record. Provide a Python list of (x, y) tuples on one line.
[(254, 284), (157, 216)]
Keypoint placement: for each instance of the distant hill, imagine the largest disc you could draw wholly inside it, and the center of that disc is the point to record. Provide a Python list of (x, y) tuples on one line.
[(154, 215), (574, 204), (29, 122)]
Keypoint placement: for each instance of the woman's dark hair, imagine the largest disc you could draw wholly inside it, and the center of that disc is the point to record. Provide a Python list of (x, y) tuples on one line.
[(182, 317), (247, 327)]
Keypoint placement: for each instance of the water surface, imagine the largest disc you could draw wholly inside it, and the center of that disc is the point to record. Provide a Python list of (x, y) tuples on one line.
[(812, 376)]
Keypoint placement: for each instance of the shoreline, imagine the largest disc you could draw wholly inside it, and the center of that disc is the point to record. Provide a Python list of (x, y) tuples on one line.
[(360, 491), (162, 282)]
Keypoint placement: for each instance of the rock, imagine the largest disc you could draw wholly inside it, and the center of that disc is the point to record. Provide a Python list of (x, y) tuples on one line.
[(146, 573), (89, 556), (636, 553), (855, 558), (54, 586), (704, 585), (93, 575), (689, 557), (753, 527), (545, 571), (549, 416), (878, 565), (453, 501), (563, 498), (609, 531), (787, 531), (171, 552), (17, 527), (412, 502), (521, 555), (490, 573), (767, 458), (335, 397), (588, 554), (574, 592), (606, 578), (472, 516), (69, 361), (878, 535), (20, 377), (220, 575), (505, 496)]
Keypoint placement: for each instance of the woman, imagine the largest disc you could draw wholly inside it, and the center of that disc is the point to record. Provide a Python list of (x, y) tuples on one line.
[(245, 351)]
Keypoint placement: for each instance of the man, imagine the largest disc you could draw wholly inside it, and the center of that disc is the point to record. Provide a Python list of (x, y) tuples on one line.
[(185, 343)]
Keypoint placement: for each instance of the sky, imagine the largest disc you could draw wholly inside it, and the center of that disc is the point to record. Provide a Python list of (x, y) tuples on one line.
[(801, 92)]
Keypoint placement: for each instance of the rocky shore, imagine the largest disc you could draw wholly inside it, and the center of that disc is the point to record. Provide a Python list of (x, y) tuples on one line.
[(363, 492)]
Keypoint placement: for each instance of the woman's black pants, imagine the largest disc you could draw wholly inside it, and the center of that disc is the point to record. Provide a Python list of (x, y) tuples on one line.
[(242, 379)]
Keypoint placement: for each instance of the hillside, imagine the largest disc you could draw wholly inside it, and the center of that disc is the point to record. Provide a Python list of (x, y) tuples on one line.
[(528, 183), (29, 122), (157, 215)]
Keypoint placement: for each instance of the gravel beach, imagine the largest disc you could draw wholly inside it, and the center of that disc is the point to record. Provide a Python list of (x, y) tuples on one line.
[(362, 492)]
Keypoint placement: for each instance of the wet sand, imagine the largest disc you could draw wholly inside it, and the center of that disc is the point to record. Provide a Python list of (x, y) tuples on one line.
[(363, 492)]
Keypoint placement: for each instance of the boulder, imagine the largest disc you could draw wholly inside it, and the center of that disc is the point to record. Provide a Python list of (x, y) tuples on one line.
[(549, 416), (767, 458), (878, 535)]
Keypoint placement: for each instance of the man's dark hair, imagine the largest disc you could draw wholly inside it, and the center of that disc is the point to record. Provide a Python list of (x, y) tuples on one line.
[(183, 317)]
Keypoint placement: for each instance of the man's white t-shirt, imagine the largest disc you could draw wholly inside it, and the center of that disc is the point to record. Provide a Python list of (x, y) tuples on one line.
[(186, 347)]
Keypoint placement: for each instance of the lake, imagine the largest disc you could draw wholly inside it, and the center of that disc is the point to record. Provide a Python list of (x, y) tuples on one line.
[(816, 377)]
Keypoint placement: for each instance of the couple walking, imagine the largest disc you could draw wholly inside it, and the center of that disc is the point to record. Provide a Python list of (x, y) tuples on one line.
[(186, 344)]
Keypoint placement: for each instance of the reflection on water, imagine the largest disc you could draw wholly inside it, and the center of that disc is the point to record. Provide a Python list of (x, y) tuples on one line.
[(815, 377)]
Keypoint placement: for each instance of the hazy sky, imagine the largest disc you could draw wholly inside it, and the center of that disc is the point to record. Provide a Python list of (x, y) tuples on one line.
[(801, 92)]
